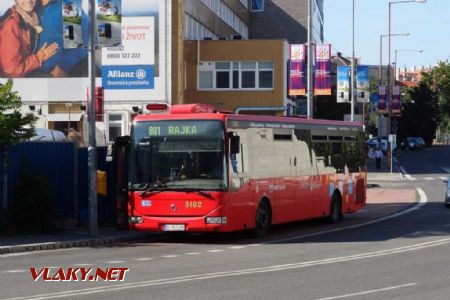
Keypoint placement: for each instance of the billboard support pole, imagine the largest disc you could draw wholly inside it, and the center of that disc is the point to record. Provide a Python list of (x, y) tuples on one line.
[(92, 149)]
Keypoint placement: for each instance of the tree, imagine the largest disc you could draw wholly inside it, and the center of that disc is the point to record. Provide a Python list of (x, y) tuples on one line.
[(438, 79), (13, 128), (421, 113)]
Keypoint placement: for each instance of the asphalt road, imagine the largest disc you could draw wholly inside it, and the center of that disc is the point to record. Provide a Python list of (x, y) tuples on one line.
[(406, 256)]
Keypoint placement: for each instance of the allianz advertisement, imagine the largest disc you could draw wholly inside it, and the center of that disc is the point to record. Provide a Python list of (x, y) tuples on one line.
[(44, 48)]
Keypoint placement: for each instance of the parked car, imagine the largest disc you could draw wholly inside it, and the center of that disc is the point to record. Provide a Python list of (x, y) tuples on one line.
[(447, 193), (381, 142), (413, 143), (48, 135)]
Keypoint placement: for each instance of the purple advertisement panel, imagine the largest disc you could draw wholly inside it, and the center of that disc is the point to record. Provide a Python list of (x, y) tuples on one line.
[(396, 105), (382, 99), (322, 78), (297, 84)]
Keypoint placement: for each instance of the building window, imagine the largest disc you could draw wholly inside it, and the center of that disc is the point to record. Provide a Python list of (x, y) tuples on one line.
[(257, 5), (115, 126), (235, 75)]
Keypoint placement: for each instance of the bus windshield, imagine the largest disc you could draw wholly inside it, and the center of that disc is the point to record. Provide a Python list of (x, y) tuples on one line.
[(177, 155)]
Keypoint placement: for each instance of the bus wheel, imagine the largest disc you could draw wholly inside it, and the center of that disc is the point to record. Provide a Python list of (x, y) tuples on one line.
[(263, 219), (335, 210)]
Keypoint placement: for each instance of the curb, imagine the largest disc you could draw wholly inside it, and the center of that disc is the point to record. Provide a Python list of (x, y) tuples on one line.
[(93, 242)]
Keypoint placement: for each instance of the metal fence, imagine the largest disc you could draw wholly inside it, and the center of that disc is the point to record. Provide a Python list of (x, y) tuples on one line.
[(66, 169)]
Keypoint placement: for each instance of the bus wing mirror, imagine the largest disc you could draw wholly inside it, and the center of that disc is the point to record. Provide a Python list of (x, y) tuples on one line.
[(234, 144)]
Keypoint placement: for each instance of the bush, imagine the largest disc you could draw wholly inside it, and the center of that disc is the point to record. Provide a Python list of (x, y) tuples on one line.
[(33, 209)]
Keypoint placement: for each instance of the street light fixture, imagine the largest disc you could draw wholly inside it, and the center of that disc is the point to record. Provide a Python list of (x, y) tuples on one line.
[(380, 73), (395, 60)]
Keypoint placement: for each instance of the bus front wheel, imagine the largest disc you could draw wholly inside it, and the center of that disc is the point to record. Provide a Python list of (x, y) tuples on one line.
[(263, 219), (335, 210)]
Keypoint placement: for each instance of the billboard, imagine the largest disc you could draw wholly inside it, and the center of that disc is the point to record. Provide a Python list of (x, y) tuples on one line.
[(382, 107), (52, 64), (362, 84), (322, 76), (343, 84), (297, 84), (396, 105)]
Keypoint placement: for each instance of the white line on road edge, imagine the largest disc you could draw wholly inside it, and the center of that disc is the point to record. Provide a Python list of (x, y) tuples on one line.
[(371, 291), (409, 177), (209, 276), (423, 200)]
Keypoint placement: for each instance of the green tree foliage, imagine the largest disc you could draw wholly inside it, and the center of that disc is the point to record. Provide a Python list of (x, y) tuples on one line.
[(439, 82), (421, 113), (13, 127)]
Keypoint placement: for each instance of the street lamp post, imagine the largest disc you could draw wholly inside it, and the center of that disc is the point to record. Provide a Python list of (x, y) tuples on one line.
[(309, 78), (389, 89), (352, 77), (395, 59), (380, 70)]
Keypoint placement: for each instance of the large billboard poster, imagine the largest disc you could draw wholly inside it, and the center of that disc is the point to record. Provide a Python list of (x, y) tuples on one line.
[(48, 59)]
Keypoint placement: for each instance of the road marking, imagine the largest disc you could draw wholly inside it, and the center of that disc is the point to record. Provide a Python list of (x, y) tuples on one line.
[(428, 178), (237, 247), (170, 256), (192, 253), (115, 262), (215, 251), (239, 272), (370, 291), (422, 202), (443, 178), (409, 177), (15, 271), (143, 259)]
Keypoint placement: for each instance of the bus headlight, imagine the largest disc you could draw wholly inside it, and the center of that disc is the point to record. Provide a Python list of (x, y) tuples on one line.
[(216, 220), (136, 220)]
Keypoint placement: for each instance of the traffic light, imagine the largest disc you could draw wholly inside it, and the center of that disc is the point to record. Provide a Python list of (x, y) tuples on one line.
[(99, 104)]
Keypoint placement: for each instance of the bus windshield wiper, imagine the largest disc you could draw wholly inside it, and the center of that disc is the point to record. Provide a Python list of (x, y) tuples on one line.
[(152, 187)]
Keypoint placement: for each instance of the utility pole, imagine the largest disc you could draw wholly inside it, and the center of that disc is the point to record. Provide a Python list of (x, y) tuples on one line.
[(92, 150), (309, 93)]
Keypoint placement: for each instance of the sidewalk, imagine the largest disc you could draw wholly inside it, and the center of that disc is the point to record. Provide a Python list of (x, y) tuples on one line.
[(69, 239), (384, 174)]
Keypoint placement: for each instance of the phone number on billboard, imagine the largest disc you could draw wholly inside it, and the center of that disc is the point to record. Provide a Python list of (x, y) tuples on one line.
[(123, 55)]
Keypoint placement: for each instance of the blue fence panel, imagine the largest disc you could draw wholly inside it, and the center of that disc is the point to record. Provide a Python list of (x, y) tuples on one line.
[(106, 204), (54, 160)]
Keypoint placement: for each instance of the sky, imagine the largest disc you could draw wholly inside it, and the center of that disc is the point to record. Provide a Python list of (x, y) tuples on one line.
[(427, 23)]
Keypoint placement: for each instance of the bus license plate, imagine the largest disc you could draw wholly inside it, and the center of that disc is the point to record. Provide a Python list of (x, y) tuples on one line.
[(173, 227)]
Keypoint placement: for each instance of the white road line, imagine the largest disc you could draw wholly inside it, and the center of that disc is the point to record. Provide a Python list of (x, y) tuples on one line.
[(423, 200), (446, 169), (215, 250), (237, 247), (443, 178), (169, 256), (409, 177), (370, 291), (239, 272), (115, 262), (192, 253), (143, 259), (428, 178), (15, 271)]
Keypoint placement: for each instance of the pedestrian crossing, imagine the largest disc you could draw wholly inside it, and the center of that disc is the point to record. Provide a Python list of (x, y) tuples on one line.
[(426, 178)]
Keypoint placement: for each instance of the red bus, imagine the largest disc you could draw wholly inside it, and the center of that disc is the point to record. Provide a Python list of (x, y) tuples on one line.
[(197, 170)]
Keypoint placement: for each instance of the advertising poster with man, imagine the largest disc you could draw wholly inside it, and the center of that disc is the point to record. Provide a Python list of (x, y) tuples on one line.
[(32, 41)]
